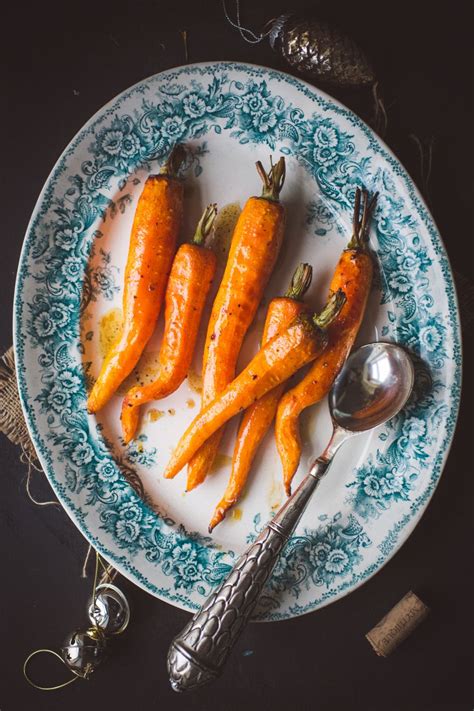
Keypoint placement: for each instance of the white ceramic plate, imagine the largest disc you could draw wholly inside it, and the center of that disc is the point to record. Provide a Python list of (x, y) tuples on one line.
[(70, 277)]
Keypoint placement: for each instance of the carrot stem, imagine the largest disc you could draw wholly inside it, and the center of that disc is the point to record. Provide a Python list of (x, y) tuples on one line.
[(273, 180), (331, 310), (205, 224), (300, 282), (367, 214), (174, 161), (360, 225)]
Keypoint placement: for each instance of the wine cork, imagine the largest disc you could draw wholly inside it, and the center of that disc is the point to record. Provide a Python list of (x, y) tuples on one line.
[(397, 625)]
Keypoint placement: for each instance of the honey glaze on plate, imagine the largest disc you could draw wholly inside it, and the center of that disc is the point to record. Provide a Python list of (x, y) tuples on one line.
[(147, 368), (223, 230), (110, 329), (195, 381), (154, 415)]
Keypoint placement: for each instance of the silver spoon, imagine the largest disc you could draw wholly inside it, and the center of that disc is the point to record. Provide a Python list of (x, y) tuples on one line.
[(373, 387)]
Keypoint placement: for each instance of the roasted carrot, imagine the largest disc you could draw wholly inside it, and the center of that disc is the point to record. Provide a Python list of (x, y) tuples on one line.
[(253, 252), (190, 279), (152, 245), (277, 360), (259, 416), (353, 274)]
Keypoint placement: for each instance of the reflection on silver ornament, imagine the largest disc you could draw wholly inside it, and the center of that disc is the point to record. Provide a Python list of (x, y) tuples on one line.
[(320, 52)]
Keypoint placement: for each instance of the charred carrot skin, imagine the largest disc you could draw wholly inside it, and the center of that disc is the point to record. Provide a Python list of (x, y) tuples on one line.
[(275, 362), (152, 245), (254, 250), (190, 279), (353, 274), (258, 417)]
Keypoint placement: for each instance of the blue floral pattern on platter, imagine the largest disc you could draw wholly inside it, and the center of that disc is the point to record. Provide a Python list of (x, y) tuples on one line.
[(63, 269)]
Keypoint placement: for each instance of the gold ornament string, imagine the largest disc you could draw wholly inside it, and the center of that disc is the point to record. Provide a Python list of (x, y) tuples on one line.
[(47, 688), (107, 573)]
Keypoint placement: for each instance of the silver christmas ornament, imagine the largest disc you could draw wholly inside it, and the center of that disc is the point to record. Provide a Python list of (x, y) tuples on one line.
[(83, 651), (109, 610)]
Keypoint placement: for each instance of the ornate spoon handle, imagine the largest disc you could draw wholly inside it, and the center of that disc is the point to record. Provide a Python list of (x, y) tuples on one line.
[(198, 654)]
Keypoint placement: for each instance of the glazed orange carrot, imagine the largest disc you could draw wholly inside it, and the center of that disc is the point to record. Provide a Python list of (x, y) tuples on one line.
[(253, 252), (353, 274), (277, 360), (190, 279), (152, 245), (259, 416)]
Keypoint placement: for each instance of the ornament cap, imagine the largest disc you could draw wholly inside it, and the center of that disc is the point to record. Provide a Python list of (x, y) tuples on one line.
[(277, 28)]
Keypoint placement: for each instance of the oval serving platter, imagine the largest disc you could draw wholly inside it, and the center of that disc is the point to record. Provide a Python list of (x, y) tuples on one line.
[(67, 305)]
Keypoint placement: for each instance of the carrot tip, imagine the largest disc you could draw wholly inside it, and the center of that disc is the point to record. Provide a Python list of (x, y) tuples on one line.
[(215, 522), (192, 485), (218, 517)]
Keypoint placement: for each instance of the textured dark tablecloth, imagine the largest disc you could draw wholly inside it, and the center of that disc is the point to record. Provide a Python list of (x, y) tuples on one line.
[(62, 62)]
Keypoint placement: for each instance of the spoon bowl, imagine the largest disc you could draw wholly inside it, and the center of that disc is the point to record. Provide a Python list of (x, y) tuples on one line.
[(373, 387)]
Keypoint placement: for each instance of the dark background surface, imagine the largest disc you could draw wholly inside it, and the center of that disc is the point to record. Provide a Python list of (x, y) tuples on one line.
[(62, 62)]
